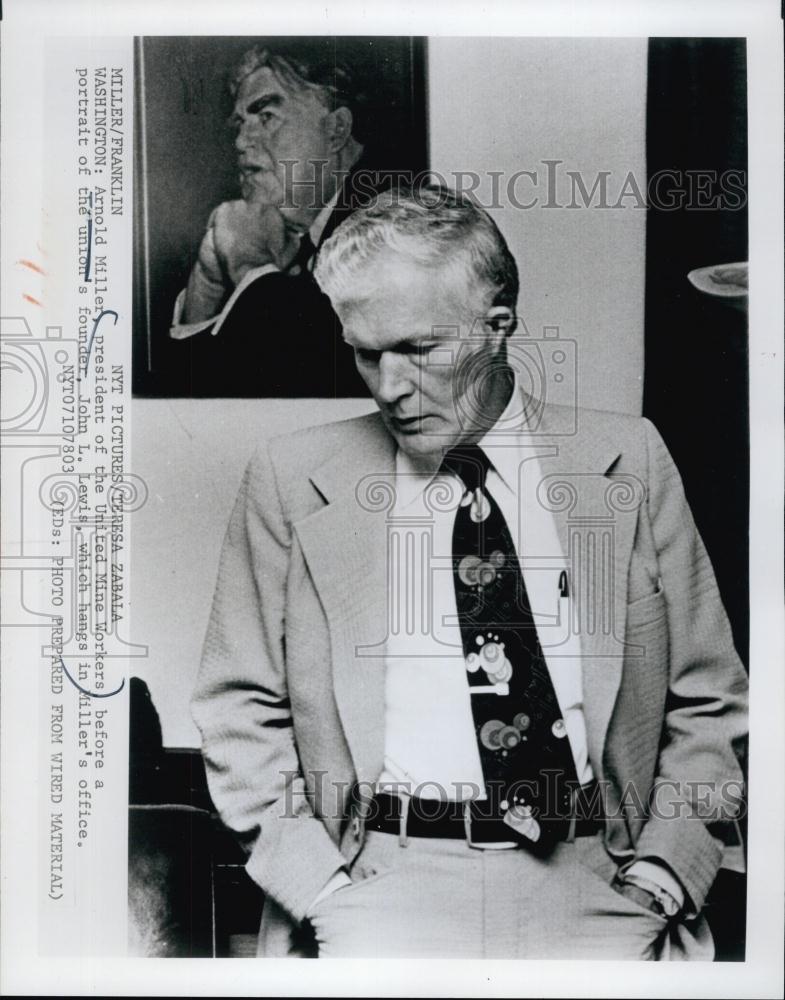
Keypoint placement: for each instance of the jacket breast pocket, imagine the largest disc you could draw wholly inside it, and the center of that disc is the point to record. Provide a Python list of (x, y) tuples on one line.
[(647, 609)]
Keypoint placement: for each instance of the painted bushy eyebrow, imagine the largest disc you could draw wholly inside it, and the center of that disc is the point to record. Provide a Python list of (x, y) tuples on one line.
[(258, 104), (265, 101)]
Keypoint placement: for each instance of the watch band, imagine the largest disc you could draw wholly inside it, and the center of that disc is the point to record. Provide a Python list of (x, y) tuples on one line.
[(649, 894)]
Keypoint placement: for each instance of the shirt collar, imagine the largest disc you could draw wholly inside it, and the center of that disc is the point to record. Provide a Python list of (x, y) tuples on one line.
[(501, 444), (319, 223)]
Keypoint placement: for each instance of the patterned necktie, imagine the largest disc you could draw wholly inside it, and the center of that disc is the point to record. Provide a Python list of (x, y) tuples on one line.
[(526, 757)]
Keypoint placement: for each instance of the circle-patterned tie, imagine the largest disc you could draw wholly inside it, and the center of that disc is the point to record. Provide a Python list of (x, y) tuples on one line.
[(526, 757)]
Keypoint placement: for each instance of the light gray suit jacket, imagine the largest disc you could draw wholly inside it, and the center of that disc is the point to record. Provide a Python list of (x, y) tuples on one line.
[(291, 706)]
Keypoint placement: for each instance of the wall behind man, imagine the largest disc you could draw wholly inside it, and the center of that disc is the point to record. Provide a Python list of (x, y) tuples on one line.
[(495, 105), (511, 104)]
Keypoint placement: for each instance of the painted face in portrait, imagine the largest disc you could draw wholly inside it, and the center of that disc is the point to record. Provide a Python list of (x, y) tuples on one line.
[(284, 140)]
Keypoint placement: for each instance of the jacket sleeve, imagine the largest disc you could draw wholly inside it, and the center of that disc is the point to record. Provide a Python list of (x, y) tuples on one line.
[(242, 708), (699, 779)]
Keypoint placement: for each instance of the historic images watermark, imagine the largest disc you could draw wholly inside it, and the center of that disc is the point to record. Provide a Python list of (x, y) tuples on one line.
[(668, 799), (547, 184)]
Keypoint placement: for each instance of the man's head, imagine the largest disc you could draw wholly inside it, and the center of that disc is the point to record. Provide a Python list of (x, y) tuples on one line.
[(294, 130), (425, 288)]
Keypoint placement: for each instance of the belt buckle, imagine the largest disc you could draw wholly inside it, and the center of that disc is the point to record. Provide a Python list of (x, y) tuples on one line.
[(482, 845)]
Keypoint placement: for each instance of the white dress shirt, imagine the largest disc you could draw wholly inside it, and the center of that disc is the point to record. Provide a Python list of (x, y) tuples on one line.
[(430, 742)]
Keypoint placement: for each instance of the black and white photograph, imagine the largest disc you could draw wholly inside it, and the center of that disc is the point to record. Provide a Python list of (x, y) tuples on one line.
[(366, 719), (392, 502)]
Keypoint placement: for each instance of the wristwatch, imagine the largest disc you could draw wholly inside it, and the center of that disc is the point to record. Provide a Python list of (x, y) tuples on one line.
[(648, 894)]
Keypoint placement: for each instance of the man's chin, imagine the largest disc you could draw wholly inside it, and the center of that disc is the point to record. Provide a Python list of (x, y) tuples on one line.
[(261, 188), (417, 442), (299, 216)]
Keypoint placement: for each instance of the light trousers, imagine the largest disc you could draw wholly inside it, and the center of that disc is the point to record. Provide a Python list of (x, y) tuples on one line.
[(443, 899)]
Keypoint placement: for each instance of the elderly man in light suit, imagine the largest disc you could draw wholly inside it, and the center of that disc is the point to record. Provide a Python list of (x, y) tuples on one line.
[(381, 711)]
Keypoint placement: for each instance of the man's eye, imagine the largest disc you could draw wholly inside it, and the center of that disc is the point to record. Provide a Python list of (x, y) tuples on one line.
[(420, 353), (265, 117), (368, 357)]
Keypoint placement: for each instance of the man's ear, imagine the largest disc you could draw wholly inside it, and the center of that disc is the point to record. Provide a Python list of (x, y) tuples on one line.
[(338, 127), (502, 318)]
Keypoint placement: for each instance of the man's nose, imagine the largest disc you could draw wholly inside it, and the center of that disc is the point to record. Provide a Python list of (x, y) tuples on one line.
[(394, 377), (246, 136)]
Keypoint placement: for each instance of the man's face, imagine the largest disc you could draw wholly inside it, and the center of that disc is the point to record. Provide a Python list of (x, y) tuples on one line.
[(410, 335), (276, 125)]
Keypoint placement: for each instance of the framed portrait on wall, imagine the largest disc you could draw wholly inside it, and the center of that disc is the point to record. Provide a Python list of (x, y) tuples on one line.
[(226, 154)]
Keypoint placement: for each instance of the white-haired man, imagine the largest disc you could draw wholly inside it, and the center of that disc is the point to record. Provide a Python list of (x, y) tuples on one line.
[(468, 687)]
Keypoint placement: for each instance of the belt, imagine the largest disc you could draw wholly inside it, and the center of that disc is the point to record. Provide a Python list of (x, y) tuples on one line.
[(418, 817)]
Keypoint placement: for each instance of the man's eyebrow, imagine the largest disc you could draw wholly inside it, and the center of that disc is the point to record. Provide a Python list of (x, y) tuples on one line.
[(400, 346), (265, 101), (259, 104)]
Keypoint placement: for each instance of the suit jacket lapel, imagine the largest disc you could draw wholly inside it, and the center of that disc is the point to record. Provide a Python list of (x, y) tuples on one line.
[(350, 197), (345, 547), (362, 184), (344, 544), (596, 515)]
